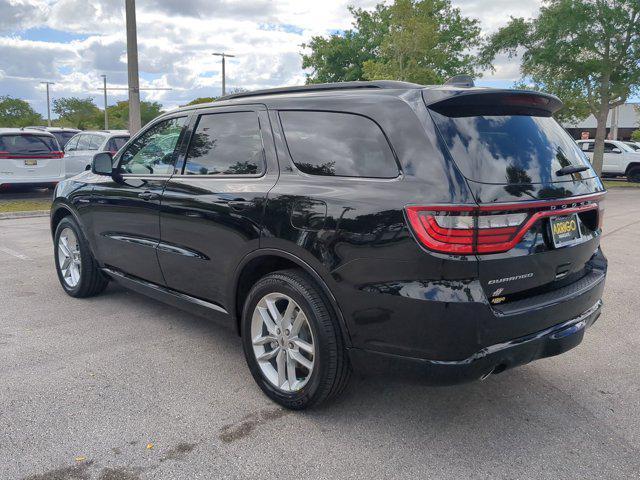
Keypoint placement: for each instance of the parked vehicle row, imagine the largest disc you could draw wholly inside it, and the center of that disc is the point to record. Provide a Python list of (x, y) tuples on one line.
[(620, 158), (33, 155), (449, 231)]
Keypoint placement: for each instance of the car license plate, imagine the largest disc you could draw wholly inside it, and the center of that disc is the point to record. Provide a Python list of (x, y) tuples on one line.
[(565, 230), (30, 162)]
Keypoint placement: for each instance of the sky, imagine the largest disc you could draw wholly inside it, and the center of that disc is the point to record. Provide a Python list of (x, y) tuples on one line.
[(73, 42)]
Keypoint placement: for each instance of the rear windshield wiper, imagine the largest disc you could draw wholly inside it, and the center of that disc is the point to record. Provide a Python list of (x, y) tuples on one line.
[(571, 169)]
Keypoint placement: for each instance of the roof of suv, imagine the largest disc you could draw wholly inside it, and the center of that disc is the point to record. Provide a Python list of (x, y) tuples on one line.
[(457, 87), (52, 129), (106, 133), (25, 131)]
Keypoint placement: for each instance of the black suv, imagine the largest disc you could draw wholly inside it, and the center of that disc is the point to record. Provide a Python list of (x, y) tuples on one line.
[(450, 230)]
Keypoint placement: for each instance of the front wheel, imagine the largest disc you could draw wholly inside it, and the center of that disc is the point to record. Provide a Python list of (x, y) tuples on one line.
[(292, 341), (77, 269)]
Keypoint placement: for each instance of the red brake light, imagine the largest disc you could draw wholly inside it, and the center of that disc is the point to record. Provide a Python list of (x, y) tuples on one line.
[(492, 228), (12, 156)]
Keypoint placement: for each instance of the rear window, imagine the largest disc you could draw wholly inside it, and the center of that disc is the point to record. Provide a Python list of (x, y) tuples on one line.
[(116, 143), (27, 144), (338, 144), (509, 149)]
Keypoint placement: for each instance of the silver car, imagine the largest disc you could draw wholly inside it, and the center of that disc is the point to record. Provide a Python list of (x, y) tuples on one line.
[(80, 150)]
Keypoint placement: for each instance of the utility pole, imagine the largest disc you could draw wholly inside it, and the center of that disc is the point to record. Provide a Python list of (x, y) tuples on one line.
[(106, 115), (135, 122), (224, 56), (48, 102), (106, 88)]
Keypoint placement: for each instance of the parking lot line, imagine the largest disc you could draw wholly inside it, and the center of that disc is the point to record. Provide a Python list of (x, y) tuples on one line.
[(13, 253)]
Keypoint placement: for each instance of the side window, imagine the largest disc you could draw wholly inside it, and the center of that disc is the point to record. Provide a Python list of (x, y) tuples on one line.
[(72, 144), (340, 144), (608, 147), (586, 146), (95, 141), (84, 141), (152, 153), (226, 144), (116, 143)]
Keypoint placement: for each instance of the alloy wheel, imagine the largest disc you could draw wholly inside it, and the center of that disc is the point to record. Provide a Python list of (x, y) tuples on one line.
[(69, 260), (283, 342)]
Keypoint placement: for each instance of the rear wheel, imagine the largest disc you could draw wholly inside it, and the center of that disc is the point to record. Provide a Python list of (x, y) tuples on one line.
[(634, 175), (77, 269), (292, 341)]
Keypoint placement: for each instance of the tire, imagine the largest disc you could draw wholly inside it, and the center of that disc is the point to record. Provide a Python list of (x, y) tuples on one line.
[(317, 327), (88, 279), (634, 175)]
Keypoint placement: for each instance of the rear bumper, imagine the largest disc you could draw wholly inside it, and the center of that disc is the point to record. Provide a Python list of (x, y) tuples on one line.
[(44, 180), (493, 359)]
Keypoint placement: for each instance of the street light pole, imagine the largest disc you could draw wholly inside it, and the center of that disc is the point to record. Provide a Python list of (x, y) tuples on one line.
[(135, 122), (224, 84), (48, 102), (106, 115)]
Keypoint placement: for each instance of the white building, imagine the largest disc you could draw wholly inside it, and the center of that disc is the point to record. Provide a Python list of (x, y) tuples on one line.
[(622, 121)]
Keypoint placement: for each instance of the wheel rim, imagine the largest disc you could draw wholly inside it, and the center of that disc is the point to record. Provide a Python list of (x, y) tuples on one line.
[(283, 342), (69, 260)]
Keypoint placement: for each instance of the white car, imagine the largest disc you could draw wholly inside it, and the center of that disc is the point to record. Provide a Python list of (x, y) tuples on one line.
[(619, 158), (80, 150), (29, 157)]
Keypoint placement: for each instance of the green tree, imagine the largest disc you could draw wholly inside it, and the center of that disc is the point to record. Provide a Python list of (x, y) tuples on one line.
[(17, 113), (199, 100), (587, 51), (422, 41), (119, 113), (76, 112), (635, 136), (341, 56)]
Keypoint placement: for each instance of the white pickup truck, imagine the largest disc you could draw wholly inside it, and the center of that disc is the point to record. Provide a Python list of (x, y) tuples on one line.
[(619, 159)]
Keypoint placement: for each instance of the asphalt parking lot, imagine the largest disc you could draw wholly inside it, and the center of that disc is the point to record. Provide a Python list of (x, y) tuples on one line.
[(120, 387)]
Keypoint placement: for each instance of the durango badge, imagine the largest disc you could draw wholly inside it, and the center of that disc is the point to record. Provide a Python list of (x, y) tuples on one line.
[(510, 279)]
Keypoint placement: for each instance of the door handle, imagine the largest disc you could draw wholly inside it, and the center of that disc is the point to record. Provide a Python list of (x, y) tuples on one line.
[(240, 204), (148, 196)]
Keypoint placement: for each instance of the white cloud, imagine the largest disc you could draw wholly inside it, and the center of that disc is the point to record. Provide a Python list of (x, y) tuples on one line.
[(176, 39)]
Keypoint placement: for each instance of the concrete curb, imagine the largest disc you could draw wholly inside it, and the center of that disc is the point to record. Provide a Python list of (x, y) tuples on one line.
[(30, 214)]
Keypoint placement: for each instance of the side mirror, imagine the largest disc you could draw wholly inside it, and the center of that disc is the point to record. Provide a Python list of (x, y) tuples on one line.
[(616, 150), (102, 163)]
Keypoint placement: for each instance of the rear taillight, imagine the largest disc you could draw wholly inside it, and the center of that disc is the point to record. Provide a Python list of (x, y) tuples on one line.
[(13, 156), (494, 228)]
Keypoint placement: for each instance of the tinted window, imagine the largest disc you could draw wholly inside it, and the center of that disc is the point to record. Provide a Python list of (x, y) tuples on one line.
[(608, 147), (27, 144), (226, 144), (116, 143), (341, 144), (63, 137), (511, 149), (586, 146), (84, 142), (152, 152)]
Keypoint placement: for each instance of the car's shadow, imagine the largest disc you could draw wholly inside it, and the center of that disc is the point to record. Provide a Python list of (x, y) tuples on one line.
[(518, 416)]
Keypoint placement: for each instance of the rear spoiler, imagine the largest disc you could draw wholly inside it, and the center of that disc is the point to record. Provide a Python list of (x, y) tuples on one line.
[(469, 103)]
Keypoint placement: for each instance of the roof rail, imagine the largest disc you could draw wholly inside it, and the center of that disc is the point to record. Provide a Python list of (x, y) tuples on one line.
[(461, 81), (316, 87)]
